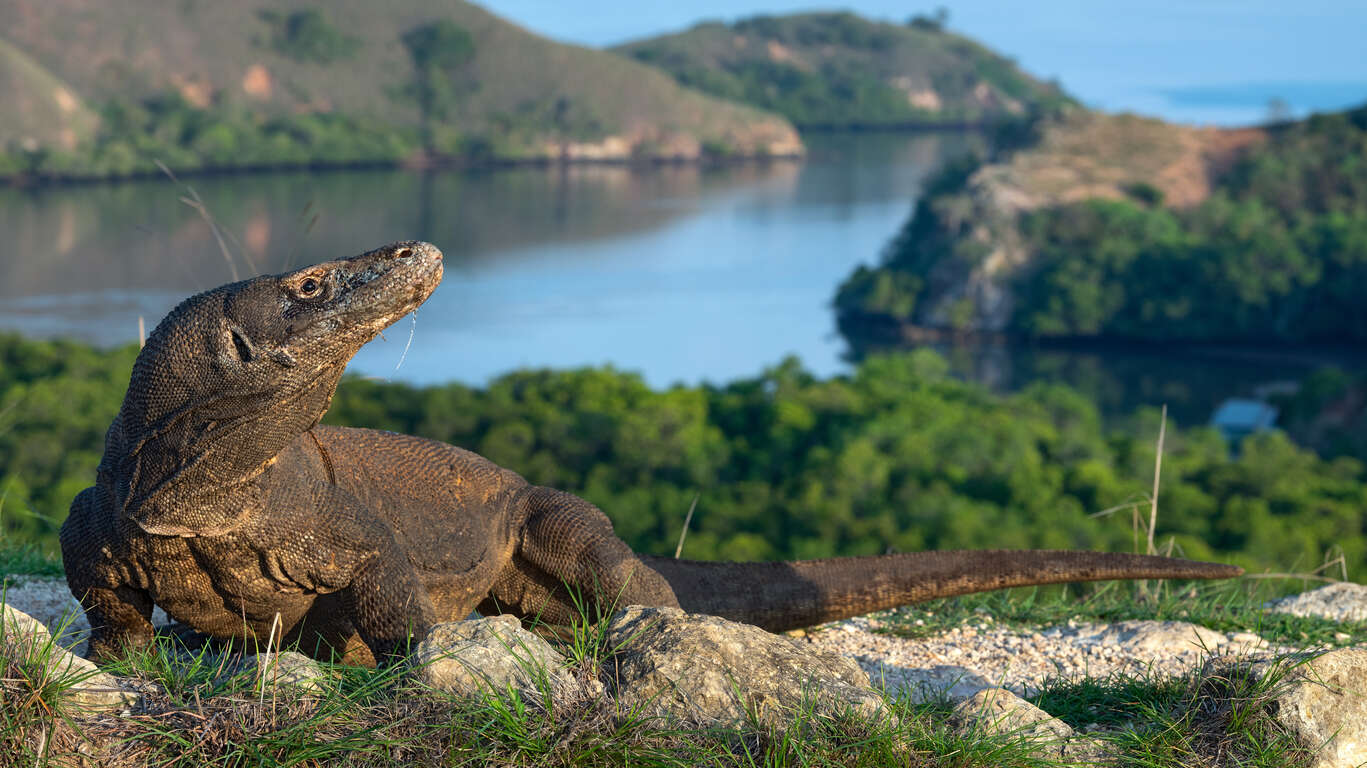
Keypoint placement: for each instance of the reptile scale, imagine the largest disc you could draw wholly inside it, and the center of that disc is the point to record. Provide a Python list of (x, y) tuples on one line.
[(221, 499)]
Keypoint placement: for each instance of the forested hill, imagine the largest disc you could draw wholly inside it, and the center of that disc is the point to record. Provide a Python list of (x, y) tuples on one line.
[(838, 70), (103, 88), (1122, 227)]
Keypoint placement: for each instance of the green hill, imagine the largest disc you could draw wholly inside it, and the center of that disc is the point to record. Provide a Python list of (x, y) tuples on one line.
[(839, 70), (38, 107), (225, 84), (1119, 227)]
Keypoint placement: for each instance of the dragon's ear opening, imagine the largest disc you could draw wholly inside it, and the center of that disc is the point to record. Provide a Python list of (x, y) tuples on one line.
[(241, 344), (237, 348)]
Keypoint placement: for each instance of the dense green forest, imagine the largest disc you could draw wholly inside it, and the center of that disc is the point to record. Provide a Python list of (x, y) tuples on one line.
[(1277, 251), (896, 456), (837, 70)]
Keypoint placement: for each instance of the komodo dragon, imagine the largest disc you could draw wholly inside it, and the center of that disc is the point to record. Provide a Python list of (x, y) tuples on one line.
[(221, 499)]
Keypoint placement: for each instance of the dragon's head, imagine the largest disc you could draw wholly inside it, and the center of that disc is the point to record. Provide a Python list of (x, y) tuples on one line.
[(233, 375)]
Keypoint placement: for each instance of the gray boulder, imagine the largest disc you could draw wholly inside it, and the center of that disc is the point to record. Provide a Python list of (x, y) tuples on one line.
[(688, 668), (999, 712), (1323, 703), (491, 654), (27, 643), (288, 669)]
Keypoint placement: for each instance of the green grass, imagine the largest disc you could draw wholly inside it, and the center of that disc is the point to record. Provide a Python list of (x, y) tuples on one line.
[(27, 559), (1207, 718), (1226, 606)]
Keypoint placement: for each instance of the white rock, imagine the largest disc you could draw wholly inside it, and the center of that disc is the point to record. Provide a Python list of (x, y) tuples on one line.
[(28, 643), (1341, 601), (997, 711), (489, 654), (288, 669), (1325, 705), (1154, 639), (690, 668)]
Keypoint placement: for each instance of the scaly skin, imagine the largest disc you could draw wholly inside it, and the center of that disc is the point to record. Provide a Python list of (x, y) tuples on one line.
[(221, 499)]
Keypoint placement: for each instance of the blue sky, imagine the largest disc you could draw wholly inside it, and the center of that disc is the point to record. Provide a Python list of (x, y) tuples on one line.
[(1225, 57)]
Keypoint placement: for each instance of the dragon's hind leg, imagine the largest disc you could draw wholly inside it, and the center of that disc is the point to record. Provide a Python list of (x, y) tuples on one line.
[(570, 566)]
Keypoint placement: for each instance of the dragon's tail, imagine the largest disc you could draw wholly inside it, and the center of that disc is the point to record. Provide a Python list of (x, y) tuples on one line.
[(801, 593)]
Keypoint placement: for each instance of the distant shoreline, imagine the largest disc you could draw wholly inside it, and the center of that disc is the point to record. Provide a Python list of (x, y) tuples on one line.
[(418, 163), (421, 162)]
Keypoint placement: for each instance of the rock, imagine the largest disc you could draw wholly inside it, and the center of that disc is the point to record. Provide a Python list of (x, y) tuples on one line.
[(1324, 704), (1154, 639), (27, 643), (1342, 601), (1245, 642), (677, 666), (950, 681), (490, 654), (1089, 750), (999, 712), (288, 669)]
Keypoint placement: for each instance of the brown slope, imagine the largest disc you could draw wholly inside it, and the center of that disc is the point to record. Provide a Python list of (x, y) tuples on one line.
[(213, 52)]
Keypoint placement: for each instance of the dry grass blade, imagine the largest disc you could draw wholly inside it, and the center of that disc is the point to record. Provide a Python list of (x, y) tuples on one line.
[(1157, 473), (684, 532), (192, 199)]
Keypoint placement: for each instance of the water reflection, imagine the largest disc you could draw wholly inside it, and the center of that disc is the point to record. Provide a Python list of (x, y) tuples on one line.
[(679, 272)]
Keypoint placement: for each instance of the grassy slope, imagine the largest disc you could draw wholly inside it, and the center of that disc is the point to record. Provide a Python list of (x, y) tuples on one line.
[(141, 48), (38, 104), (875, 73), (966, 235), (1095, 155)]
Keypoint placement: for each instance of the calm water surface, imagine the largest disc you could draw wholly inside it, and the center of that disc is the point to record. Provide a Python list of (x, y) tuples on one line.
[(679, 273)]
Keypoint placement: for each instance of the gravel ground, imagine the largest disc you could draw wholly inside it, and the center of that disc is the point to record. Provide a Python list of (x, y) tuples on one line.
[(980, 655)]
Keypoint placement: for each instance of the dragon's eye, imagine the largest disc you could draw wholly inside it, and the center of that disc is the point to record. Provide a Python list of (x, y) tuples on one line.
[(309, 287)]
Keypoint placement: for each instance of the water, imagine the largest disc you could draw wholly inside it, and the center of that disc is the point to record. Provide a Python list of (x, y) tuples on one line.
[(680, 273)]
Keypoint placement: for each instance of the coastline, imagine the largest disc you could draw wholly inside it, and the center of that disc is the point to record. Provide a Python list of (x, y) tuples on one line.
[(418, 162)]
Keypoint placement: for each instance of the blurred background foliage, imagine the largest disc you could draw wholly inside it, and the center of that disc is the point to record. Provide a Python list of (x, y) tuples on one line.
[(897, 456)]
